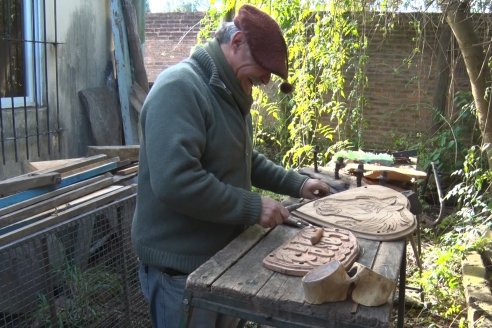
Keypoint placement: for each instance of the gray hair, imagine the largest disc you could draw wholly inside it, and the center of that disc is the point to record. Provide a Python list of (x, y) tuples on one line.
[(225, 32)]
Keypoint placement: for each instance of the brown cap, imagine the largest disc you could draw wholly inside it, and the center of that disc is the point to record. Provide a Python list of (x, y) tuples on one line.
[(266, 42)]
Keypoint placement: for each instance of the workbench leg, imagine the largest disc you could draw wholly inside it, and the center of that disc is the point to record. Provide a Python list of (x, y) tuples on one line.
[(401, 289), (187, 309)]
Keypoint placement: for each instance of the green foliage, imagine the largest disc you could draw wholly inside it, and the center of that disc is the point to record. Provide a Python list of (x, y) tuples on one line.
[(457, 235), (270, 121), (212, 20), (325, 45), (473, 192), (452, 149), (184, 6), (441, 280), (366, 157), (191, 6), (447, 147), (270, 194)]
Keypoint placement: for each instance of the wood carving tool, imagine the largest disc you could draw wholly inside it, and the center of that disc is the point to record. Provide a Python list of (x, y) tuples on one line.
[(317, 235), (295, 206), (295, 221)]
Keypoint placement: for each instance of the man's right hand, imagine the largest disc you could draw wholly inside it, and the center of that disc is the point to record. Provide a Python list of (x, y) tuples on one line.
[(272, 213)]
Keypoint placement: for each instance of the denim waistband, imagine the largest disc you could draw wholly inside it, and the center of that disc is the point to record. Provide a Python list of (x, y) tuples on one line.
[(169, 271)]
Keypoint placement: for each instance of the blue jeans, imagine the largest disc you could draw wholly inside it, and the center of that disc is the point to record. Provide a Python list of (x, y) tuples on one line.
[(164, 294)]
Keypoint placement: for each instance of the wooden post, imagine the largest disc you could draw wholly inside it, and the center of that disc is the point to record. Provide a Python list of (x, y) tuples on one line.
[(123, 69)]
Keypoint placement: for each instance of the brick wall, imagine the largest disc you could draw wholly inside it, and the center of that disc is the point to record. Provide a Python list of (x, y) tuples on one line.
[(401, 89), (169, 38), (400, 92)]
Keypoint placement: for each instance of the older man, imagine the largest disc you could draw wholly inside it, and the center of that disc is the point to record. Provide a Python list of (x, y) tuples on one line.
[(197, 162)]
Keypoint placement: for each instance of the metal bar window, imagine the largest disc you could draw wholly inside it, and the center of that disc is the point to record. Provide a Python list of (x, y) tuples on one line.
[(28, 78)]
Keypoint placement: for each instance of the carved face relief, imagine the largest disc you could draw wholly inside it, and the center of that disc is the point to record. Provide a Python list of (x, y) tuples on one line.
[(373, 212)]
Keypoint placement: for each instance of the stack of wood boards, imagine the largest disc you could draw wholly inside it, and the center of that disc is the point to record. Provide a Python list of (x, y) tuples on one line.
[(56, 191)]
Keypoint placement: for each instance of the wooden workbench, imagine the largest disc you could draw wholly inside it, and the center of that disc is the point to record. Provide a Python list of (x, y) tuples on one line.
[(235, 282)]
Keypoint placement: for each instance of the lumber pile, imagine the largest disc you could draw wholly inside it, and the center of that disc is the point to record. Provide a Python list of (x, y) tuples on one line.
[(56, 191)]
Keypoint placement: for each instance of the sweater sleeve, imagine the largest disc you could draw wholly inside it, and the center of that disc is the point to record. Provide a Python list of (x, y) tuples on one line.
[(270, 176), (174, 132)]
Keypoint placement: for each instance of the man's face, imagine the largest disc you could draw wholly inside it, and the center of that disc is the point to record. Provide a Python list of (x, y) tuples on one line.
[(248, 72)]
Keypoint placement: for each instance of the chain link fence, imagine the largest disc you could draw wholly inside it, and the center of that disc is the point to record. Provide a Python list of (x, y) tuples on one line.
[(82, 272)]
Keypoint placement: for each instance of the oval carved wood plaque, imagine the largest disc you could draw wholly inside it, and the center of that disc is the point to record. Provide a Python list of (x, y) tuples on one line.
[(298, 256)]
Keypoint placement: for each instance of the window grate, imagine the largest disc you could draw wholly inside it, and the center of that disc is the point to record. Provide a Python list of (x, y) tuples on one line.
[(29, 99)]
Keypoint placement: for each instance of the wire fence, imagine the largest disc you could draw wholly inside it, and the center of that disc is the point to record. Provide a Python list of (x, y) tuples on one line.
[(80, 273)]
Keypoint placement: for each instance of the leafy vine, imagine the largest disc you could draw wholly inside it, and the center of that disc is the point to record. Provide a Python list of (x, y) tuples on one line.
[(325, 110)]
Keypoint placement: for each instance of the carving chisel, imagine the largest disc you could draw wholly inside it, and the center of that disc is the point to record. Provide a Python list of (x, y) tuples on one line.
[(295, 221)]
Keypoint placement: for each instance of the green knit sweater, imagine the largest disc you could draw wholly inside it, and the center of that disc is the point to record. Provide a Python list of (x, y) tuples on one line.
[(197, 164)]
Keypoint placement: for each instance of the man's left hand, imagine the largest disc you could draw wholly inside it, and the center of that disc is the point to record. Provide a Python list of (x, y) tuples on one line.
[(314, 188)]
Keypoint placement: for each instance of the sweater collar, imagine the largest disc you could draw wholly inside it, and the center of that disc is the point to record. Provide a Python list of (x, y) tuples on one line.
[(214, 61)]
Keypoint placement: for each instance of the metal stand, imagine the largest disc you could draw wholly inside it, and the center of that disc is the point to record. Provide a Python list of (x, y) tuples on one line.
[(359, 173), (315, 154), (383, 178), (401, 288), (416, 209), (338, 166), (432, 170)]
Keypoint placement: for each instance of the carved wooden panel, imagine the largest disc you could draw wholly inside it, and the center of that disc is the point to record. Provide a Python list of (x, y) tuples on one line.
[(372, 212), (298, 256)]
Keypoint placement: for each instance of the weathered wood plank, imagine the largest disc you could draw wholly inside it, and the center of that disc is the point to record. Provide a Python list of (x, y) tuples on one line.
[(70, 165), (91, 166), (125, 179), (367, 251), (137, 97), (67, 214), (128, 152), (56, 210), (389, 258), (60, 191), (134, 45), (248, 275), (128, 170), (204, 276), (34, 180), (281, 288), (48, 165), (10, 200), (53, 203), (123, 69), (102, 109)]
